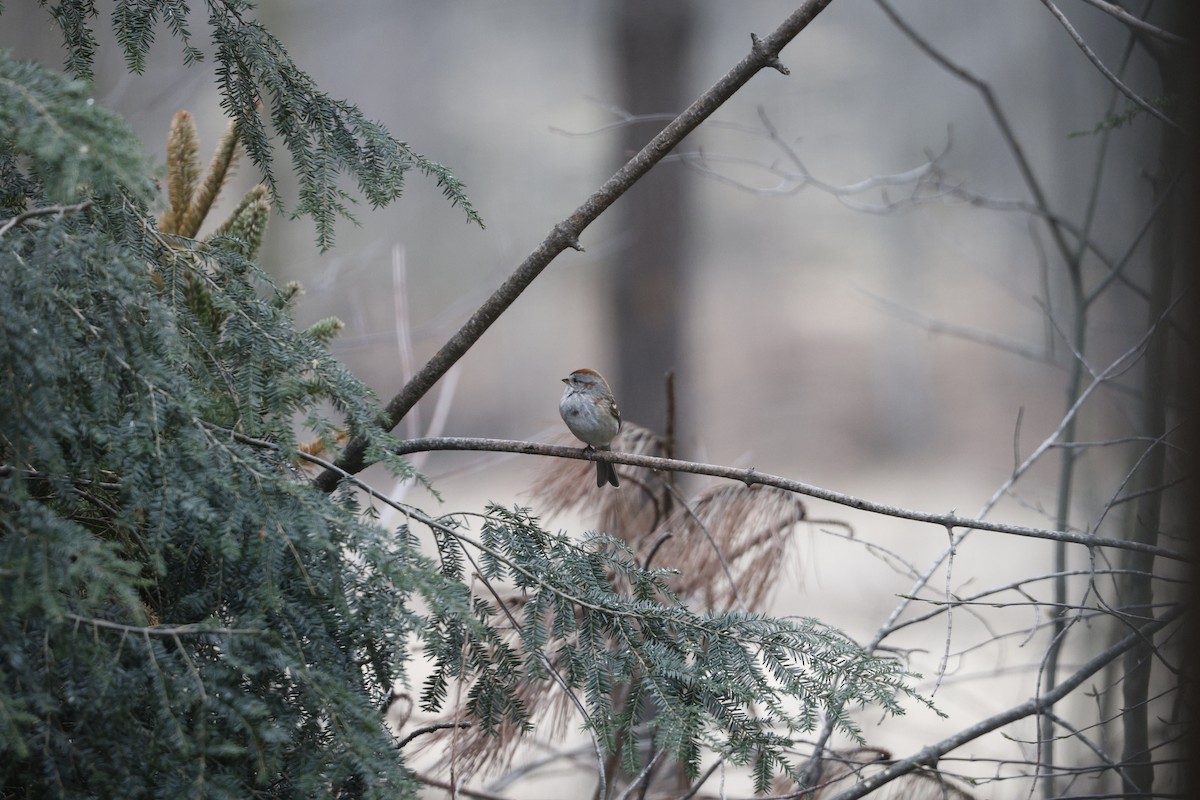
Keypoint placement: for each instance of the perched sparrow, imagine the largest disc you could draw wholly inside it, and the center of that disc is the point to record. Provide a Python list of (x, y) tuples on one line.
[(588, 408)]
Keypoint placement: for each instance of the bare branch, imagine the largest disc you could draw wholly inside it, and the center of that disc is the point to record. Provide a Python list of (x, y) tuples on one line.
[(928, 756), (1088, 743), (439, 726), (556, 754), (479, 794), (965, 332), (1118, 365), (795, 180), (45, 211), (1136, 23), (1017, 585), (1105, 71), (644, 775), (187, 629), (752, 476), (701, 780)]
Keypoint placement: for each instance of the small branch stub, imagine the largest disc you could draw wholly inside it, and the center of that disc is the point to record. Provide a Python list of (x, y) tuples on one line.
[(568, 237), (438, 726), (769, 59)]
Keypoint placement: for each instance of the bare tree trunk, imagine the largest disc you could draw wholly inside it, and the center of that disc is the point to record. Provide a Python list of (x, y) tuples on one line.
[(651, 54), (1137, 757), (652, 44)]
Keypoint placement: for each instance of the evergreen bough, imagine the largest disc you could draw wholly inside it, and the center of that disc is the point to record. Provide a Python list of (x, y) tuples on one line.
[(181, 612), (326, 138)]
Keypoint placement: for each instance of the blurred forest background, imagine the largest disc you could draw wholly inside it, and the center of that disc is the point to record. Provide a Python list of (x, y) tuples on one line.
[(866, 328)]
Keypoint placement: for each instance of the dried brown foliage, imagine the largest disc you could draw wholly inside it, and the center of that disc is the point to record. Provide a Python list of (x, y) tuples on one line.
[(191, 192), (643, 501), (728, 543)]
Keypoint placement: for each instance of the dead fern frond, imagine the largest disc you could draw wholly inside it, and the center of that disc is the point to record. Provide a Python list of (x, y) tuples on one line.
[(476, 750), (639, 506), (205, 194), (183, 170), (728, 544), (248, 222)]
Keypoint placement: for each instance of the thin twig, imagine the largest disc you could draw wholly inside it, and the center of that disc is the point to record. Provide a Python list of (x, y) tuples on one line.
[(1137, 23), (998, 116), (1089, 744), (1117, 267), (1017, 585), (1105, 71), (1120, 363), (1131, 473), (187, 629), (44, 211), (1114, 369), (654, 550), (519, 773), (403, 326), (700, 781), (438, 726), (752, 476), (669, 423), (716, 548), (965, 332), (642, 776), (944, 661), (479, 794), (929, 755)]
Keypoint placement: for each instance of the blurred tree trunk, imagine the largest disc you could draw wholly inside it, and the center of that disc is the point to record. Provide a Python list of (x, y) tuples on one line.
[(652, 42), (1172, 244), (1137, 757), (648, 291)]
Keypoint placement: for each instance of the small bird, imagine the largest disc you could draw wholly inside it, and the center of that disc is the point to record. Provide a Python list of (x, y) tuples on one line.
[(590, 411)]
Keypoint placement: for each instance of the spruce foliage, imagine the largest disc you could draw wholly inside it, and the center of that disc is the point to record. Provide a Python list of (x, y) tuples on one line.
[(325, 138), (181, 612)]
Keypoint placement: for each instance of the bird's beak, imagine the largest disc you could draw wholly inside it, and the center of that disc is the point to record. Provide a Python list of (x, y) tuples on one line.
[(566, 380)]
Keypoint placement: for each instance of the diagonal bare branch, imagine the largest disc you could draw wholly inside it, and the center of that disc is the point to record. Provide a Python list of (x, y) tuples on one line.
[(764, 53), (929, 755), (1105, 71), (1136, 23)]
